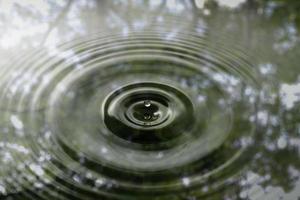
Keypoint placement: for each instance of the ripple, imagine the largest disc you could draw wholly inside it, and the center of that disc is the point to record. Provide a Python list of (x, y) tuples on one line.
[(126, 116)]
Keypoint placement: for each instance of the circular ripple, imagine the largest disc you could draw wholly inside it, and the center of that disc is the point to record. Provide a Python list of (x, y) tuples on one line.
[(148, 113), (126, 116)]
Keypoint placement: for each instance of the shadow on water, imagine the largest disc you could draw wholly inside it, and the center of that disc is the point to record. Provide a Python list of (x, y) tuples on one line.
[(150, 99)]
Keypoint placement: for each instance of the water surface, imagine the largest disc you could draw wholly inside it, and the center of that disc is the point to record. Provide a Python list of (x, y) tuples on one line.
[(149, 100)]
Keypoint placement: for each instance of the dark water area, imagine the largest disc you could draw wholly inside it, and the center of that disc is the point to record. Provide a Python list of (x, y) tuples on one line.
[(160, 99)]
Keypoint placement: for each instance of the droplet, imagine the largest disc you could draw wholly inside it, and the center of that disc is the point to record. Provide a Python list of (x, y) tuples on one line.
[(147, 103)]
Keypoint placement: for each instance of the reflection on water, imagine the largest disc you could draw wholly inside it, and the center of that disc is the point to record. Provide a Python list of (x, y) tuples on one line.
[(150, 99)]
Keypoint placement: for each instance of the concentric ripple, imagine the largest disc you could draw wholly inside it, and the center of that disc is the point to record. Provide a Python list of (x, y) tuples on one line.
[(128, 116)]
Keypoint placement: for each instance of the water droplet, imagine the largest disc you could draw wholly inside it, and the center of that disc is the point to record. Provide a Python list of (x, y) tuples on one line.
[(147, 103)]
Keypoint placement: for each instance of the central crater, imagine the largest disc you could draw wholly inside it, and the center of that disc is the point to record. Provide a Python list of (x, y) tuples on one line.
[(147, 113), (148, 110)]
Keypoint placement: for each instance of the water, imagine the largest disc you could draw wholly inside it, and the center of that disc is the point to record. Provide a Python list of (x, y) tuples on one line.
[(149, 100)]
